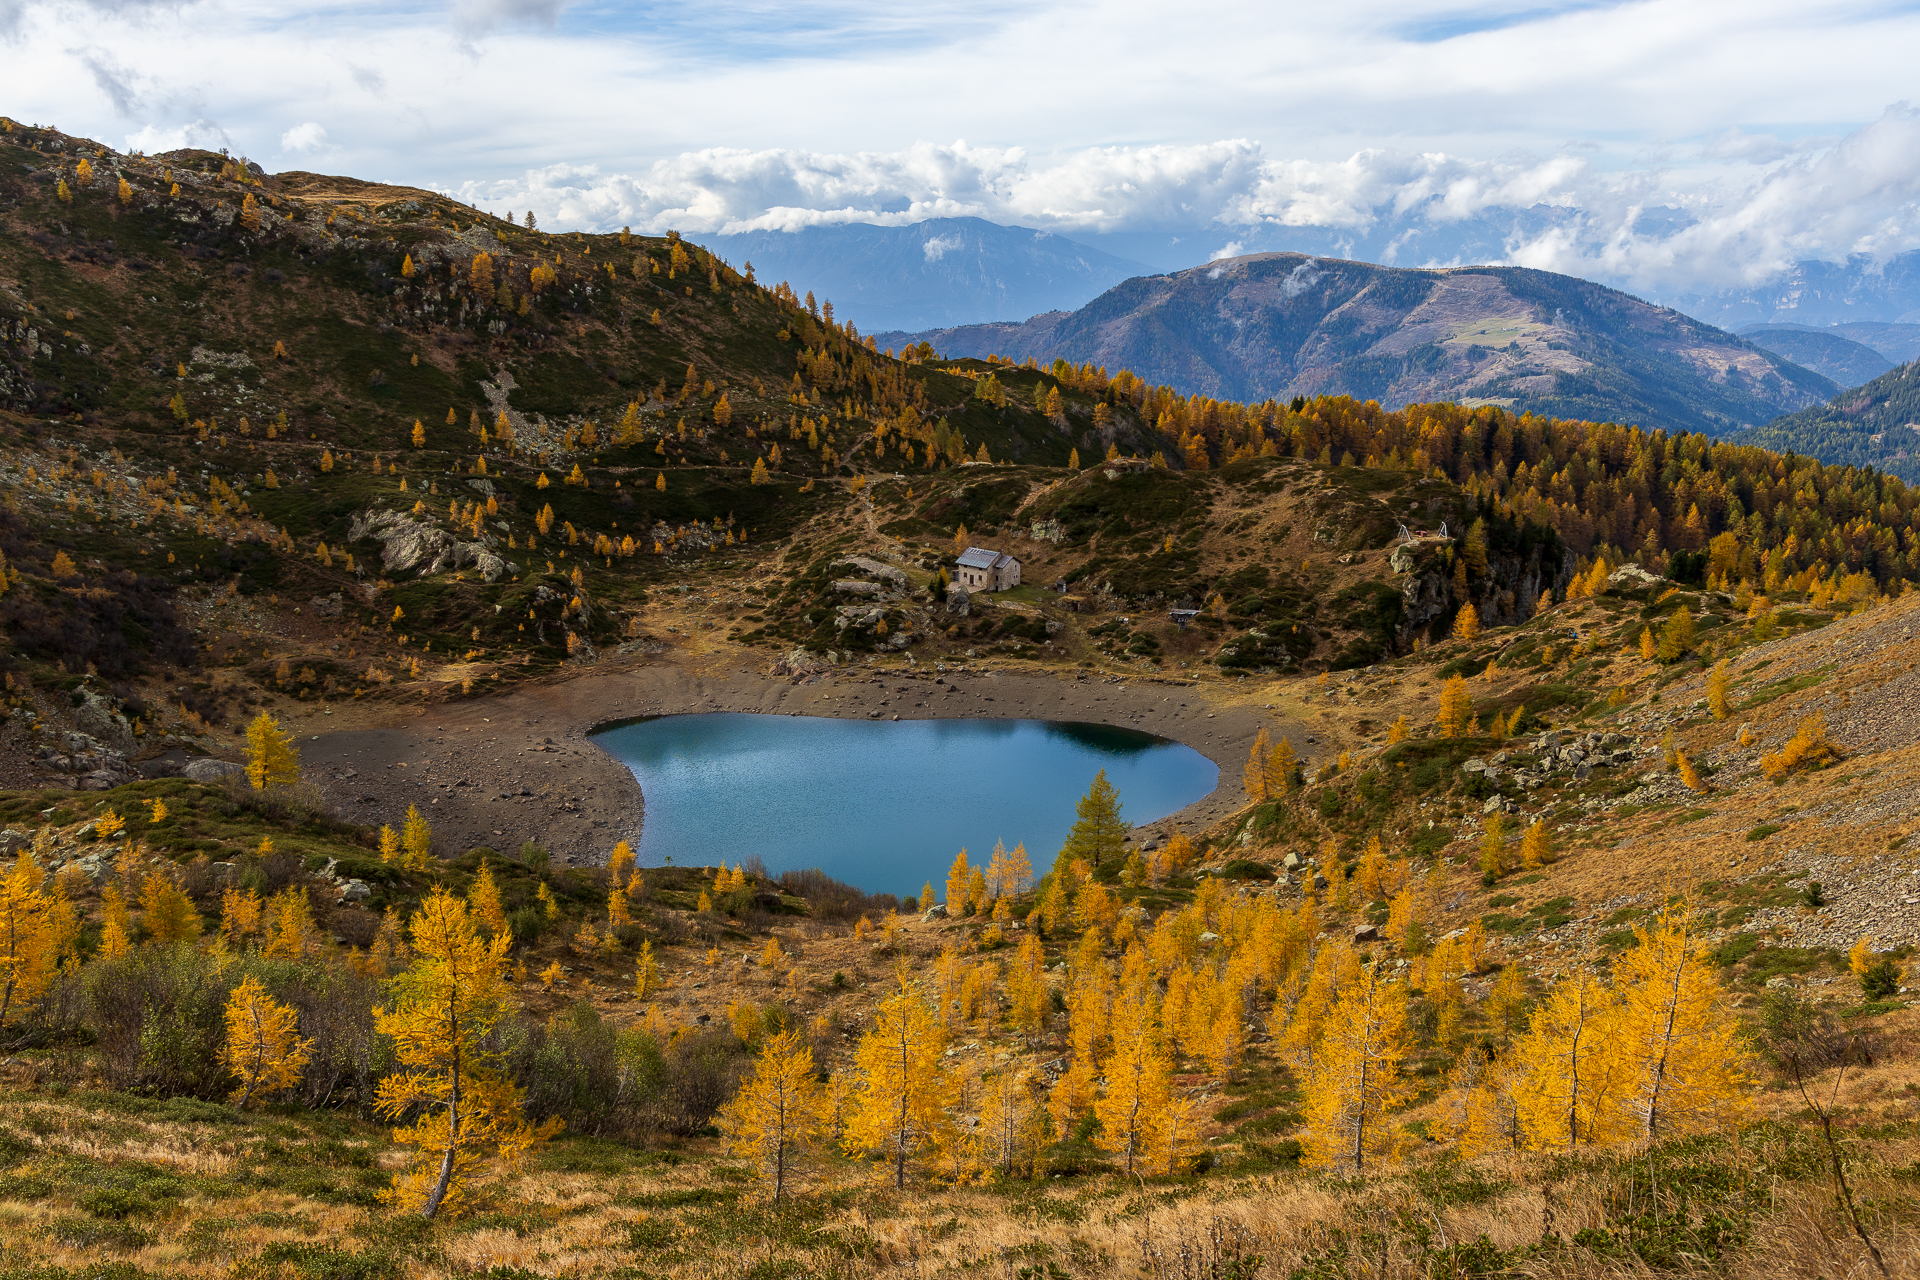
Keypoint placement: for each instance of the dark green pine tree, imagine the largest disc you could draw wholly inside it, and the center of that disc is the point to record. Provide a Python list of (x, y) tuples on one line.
[(1098, 835)]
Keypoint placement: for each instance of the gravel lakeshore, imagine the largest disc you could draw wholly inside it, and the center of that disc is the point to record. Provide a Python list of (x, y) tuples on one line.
[(506, 770)]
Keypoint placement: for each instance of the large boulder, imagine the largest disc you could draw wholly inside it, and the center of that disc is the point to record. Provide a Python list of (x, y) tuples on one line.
[(206, 769)]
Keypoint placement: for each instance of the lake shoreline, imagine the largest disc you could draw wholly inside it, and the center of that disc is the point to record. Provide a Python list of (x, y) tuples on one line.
[(521, 767)]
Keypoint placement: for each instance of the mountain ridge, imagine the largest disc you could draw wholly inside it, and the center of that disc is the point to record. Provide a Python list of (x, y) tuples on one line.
[(1281, 325)]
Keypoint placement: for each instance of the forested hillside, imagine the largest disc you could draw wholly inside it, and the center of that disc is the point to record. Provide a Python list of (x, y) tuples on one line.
[(1846, 362), (1873, 425)]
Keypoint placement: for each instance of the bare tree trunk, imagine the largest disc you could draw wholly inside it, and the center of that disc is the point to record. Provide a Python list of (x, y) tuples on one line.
[(445, 1182)]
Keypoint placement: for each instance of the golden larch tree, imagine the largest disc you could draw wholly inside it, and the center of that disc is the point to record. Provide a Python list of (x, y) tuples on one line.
[(1683, 1062), (167, 912), (23, 919), (272, 759), (1536, 847), (957, 877), (899, 1105), (776, 1116), (1466, 623), (264, 1050), (484, 899), (468, 1112), (1566, 1097), (1138, 1071), (416, 841), (1355, 1083), (1717, 684), (1456, 708), (1256, 770)]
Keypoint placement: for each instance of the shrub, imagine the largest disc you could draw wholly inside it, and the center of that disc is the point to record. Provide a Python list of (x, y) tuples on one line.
[(1807, 749), (156, 1015), (1881, 981)]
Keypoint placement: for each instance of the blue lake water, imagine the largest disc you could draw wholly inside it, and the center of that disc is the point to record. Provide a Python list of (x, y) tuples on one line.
[(884, 804)]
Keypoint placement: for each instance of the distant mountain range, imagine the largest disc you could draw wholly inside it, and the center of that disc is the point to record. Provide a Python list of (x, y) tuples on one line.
[(1875, 425), (1818, 295), (1285, 324), (1825, 351), (943, 271)]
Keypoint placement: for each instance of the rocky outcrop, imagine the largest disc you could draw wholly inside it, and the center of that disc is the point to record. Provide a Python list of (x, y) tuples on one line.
[(408, 546), (84, 763)]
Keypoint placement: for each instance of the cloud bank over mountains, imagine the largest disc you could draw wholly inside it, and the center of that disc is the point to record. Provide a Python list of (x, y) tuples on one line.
[(1694, 224), (1661, 145)]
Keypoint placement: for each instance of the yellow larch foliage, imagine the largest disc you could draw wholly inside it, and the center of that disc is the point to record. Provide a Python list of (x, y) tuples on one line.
[(1536, 847), (1808, 748), (1281, 766), (116, 924), (957, 876), (389, 845), (1683, 1061), (446, 1005), (779, 1112), (483, 899), (271, 757), (1138, 1072), (1011, 1121), (416, 841), (1717, 684), (1466, 623), (1690, 776), (264, 1050), (290, 929), (1398, 732), (1456, 708), (1373, 872), (620, 864), (167, 912), (1477, 1113), (23, 919), (548, 903), (1256, 770), (1567, 1094), (239, 916), (646, 975), (1860, 958), (1493, 847), (1355, 1083)]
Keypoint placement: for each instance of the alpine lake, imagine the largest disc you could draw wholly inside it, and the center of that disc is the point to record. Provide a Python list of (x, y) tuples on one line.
[(884, 805)]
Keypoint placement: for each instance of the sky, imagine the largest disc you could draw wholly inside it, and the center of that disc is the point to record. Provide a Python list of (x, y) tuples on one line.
[(1660, 145)]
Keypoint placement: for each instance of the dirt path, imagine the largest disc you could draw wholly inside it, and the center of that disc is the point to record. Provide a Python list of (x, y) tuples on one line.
[(502, 771)]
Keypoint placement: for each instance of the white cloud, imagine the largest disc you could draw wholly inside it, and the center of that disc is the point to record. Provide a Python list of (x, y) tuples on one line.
[(303, 139), (939, 247), (1669, 140), (1231, 249), (207, 135)]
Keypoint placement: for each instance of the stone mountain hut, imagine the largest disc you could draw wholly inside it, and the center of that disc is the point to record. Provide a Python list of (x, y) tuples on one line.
[(979, 569)]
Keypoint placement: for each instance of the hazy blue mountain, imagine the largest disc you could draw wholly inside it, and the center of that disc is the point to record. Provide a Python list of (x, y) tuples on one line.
[(1819, 295), (1897, 342), (1873, 425), (1285, 324), (1824, 351), (939, 272)]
